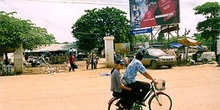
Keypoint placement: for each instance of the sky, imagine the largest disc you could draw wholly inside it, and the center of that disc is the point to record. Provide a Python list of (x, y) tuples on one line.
[(58, 16)]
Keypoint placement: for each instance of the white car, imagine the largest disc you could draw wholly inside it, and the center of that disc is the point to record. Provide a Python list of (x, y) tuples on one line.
[(156, 58)]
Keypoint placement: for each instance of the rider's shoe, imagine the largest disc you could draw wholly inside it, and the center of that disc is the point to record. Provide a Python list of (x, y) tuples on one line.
[(140, 102)]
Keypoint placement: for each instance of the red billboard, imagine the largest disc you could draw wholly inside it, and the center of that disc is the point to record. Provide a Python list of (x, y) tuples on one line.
[(148, 13)]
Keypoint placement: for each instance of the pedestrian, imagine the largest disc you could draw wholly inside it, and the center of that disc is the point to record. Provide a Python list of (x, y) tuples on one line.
[(92, 61), (129, 78), (218, 59), (72, 62), (119, 89), (179, 58)]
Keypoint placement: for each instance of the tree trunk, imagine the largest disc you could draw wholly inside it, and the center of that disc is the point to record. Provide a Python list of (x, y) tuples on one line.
[(6, 59), (215, 45)]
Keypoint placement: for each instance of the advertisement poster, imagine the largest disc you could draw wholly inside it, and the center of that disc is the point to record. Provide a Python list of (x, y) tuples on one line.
[(148, 13), (122, 48)]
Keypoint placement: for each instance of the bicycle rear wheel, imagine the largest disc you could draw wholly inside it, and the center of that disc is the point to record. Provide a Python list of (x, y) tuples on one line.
[(161, 101), (113, 104)]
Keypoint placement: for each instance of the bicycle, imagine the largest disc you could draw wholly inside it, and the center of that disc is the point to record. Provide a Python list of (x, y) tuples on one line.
[(157, 100)]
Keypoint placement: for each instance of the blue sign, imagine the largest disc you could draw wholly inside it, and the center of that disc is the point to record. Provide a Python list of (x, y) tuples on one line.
[(140, 31)]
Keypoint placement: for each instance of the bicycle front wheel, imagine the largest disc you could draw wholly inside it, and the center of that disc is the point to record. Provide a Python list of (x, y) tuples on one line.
[(161, 101), (113, 104)]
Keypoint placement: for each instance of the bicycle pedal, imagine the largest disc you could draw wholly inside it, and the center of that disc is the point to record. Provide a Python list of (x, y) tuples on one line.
[(140, 103)]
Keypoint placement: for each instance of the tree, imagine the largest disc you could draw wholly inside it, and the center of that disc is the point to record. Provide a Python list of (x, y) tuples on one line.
[(161, 37), (91, 28), (141, 38), (15, 31), (210, 27), (206, 42)]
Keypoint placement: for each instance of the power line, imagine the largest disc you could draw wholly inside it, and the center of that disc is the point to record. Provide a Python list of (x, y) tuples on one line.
[(28, 15), (6, 2), (77, 2)]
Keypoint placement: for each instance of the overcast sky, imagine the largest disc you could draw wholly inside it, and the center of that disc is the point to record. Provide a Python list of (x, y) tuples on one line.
[(58, 16)]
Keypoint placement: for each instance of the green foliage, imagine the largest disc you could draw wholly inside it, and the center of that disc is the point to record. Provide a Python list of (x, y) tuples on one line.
[(204, 41), (210, 27), (37, 37), (165, 42), (91, 28), (141, 38), (160, 37), (173, 39), (209, 9), (15, 31)]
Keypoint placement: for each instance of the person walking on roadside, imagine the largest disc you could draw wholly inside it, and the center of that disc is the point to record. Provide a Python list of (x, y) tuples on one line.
[(72, 62), (129, 78)]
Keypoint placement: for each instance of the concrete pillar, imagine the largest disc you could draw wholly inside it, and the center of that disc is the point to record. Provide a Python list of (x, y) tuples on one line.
[(218, 51), (18, 60), (185, 56), (218, 45), (109, 51)]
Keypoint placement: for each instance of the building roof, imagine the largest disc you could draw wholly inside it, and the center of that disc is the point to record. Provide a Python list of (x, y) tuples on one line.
[(56, 47)]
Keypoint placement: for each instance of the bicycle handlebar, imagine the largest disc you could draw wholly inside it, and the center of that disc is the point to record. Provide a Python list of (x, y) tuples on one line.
[(153, 81)]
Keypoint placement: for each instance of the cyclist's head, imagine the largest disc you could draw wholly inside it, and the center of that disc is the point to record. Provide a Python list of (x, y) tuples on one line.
[(118, 65), (139, 56)]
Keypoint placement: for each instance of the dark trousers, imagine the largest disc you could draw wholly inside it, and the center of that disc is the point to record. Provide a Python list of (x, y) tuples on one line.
[(72, 66), (128, 98), (140, 89), (218, 59)]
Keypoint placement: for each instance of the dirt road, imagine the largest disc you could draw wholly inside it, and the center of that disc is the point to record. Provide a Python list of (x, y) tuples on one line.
[(191, 88)]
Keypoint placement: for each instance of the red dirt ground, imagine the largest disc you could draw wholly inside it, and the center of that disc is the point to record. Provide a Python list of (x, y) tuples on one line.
[(190, 87)]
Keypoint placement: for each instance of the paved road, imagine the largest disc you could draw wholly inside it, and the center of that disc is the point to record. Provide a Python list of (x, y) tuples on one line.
[(191, 88)]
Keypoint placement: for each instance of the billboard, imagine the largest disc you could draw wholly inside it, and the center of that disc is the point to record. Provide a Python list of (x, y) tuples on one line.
[(148, 13), (122, 48)]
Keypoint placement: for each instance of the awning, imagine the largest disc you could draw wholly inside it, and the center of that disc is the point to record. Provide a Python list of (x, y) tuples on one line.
[(176, 45), (188, 42)]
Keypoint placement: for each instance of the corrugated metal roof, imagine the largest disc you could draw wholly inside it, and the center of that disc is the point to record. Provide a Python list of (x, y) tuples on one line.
[(56, 47)]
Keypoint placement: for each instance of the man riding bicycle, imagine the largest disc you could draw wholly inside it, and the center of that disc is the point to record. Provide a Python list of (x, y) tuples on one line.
[(138, 87), (118, 89)]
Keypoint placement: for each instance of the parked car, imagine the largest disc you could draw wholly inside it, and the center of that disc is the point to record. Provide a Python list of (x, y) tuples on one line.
[(203, 57), (155, 58), (81, 55)]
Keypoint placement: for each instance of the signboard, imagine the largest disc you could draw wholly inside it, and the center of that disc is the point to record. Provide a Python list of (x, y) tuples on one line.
[(169, 28), (122, 48), (140, 31), (148, 13)]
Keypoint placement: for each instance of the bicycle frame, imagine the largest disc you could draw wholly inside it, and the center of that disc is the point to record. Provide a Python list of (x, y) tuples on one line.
[(152, 92)]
